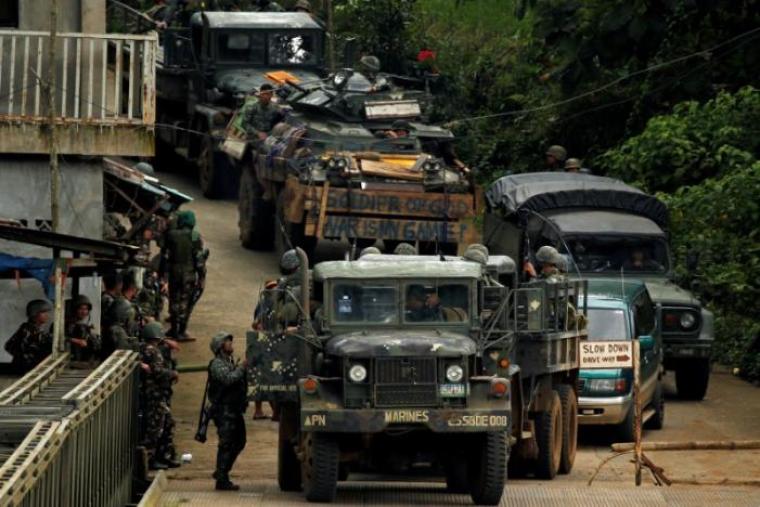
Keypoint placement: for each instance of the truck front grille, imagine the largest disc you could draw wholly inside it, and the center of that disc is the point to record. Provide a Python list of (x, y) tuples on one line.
[(402, 370), (406, 396)]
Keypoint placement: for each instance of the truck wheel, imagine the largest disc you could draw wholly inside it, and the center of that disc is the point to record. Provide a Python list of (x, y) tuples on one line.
[(210, 174), (626, 430), (549, 439), (456, 476), (657, 421), (692, 378), (288, 466), (488, 469), (319, 469), (255, 215), (569, 427)]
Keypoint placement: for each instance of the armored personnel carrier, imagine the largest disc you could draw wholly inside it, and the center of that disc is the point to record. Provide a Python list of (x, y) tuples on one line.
[(401, 363), (353, 159)]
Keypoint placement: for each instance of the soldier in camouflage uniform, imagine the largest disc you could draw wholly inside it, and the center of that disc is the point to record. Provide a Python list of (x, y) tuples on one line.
[(183, 247), (261, 117), (157, 376), (555, 157), (32, 342), (122, 333), (552, 264), (84, 342), (150, 298), (227, 392)]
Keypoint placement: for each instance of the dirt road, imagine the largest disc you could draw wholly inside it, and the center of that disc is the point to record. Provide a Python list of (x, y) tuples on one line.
[(731, 410)]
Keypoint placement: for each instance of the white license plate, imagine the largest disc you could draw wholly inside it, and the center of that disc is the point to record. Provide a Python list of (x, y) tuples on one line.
[(453, 390)]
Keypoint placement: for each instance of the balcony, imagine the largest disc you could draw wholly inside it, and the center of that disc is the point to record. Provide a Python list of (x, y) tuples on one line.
[(105, 97)]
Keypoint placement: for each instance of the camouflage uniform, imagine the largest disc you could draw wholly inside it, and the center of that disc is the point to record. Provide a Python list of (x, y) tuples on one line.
[(29, 346), (83, 330), (122, 333), (227, 393), (261, 118), (156, 410), (149, 299)]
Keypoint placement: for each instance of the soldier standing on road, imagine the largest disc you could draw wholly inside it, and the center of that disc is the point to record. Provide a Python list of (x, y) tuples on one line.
[(261, 117), (157, 376), (84, 342), (182, 246), (555, 158), (227, 393), (32, 342)]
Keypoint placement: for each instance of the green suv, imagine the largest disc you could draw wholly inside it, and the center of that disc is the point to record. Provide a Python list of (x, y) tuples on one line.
[(620, 310)]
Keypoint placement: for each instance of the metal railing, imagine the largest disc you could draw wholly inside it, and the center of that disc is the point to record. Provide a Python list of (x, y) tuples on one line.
[(101, 79), (87, 456)]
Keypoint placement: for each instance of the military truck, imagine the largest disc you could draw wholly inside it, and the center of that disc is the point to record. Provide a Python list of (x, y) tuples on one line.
[(207, 69), (606, 228), (354, 159), (410, 363)]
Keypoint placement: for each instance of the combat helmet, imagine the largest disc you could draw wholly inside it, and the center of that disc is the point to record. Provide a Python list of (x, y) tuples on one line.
[(186, 218), (558, 152), (549, 255), (369, 63), (573, 164), (121, 313), (218, 340), (145, 168), (476, 253), (370, 250), (404, 249), (303, 5), (37, 306), (80, 300), (152, 331), (289, 261)]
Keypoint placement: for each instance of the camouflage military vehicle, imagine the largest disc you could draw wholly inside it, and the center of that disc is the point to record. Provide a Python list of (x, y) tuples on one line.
[(606, 228), (353, 159), (409, 362), (207, 69)]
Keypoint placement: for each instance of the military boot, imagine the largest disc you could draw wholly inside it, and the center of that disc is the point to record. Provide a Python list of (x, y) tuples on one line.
[(226, 485)]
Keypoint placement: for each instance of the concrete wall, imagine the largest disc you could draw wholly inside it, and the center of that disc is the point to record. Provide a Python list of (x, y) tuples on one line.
[(25, 195)]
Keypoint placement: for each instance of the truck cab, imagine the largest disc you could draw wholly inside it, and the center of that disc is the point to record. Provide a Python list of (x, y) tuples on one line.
[(207, 70)]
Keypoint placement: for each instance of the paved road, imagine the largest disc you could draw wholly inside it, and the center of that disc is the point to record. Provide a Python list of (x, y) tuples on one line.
[(731, 410)]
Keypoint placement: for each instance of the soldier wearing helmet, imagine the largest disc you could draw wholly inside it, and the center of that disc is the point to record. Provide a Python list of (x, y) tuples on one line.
[(555, 157), (32, 342), (122, 334), (262, 116), (84, 342), (370, 250), (552, 264), (268, 6), (302, 6), (404, 249), (369, 67), (227, 393)]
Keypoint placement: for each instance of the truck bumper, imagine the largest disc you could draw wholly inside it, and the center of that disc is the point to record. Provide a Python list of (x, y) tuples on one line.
[(610, 410), (687, 350), (379, 420)]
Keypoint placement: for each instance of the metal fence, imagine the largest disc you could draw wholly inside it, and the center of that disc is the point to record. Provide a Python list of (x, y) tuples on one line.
[(87, 456)]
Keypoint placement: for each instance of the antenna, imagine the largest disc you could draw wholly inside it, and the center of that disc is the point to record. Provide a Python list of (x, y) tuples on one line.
[(622, 282)]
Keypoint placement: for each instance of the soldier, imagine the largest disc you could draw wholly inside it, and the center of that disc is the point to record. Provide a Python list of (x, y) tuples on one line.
[(404, 249), (150, 298), (261, 117), (227, 393), (370, 250), (157, 376), (268, 6), (84, 342), (123, 330), (369, 66), (181, 250), (555, 157), (302, 6), (552, 264), (32, 342), (573, 165)]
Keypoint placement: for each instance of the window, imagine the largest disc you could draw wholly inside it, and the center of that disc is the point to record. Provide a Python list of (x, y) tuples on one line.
[(607, 325), (241, 47), (357, 302), (292, 49), (427, 302), (644, 315), (9, 13), (613, 254)]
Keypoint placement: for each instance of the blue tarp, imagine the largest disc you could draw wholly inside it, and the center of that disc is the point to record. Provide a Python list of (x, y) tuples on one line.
[(39, 269)]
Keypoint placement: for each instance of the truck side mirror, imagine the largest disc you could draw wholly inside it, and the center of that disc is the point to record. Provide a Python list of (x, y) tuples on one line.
[(646, 342)]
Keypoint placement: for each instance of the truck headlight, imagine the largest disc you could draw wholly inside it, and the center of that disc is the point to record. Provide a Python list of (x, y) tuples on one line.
[(454, 373), (357, 373), (688, 320)]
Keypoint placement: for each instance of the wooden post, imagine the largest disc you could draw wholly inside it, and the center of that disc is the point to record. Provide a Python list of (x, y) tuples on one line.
[(58, 345), (55, 176), (637, 410)]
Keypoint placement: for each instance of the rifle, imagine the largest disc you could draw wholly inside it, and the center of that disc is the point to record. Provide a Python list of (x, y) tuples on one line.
[(203, 417)]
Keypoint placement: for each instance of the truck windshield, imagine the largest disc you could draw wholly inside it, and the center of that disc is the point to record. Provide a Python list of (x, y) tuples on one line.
[(431, 302), (607, 325), (614, 254), (359, 302), (288, 48), (241, 47)]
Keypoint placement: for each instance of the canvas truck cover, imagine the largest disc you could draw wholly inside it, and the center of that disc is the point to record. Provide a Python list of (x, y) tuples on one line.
[(520, 194)]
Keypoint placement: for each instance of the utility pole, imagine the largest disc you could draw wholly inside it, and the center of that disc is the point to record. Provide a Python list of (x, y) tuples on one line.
[(55, 174)]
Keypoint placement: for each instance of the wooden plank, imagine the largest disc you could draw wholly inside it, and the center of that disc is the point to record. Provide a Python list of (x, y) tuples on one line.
[(64, 82), (149, 81), (77, 78), (12, 82), (389, 170), (104, 81), (25, 76), (117, 80), (91, 98), (389, 203), (79, 35), (37, 86), (339, 226), (323, 209), (131, 82)]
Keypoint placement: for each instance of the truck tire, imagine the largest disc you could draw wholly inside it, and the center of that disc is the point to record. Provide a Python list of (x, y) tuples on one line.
[(488, 469), (549, 439), (569, 427), (288, 466), (319, 469), (255, 215), (657, 421), (692, 378), (626, 430)]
